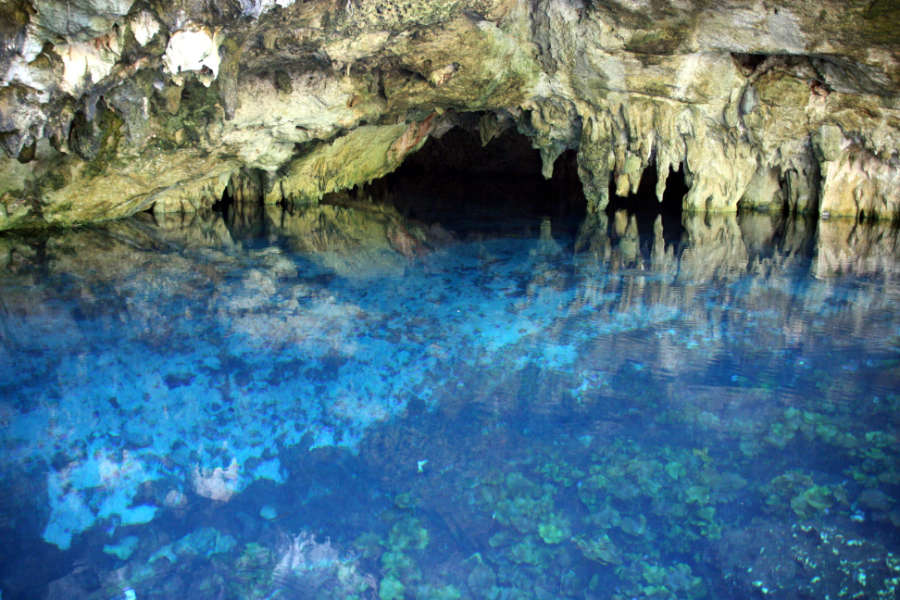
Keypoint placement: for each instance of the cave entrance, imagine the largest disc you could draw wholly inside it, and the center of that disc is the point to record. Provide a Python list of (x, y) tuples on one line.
[(646, 207), (497, 187)]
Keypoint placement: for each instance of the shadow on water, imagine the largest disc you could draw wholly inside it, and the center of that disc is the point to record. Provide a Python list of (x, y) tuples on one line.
[(365, 399)]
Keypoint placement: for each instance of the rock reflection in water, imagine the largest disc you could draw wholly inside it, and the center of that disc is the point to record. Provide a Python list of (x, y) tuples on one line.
[(423, 414)]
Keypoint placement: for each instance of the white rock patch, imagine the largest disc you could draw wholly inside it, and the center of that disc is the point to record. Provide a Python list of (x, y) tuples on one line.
[(94, 59), (19, 70), (144, 27), (254, 8), (193, 50)]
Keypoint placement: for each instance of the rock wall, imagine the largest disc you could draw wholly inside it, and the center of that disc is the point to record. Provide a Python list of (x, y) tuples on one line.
[(112, 107)]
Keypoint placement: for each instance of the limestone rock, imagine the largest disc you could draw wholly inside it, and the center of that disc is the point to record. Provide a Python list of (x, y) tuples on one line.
[(112, 107)]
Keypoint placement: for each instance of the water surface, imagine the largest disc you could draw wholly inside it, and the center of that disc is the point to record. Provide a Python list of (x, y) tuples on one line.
[(339, 403)]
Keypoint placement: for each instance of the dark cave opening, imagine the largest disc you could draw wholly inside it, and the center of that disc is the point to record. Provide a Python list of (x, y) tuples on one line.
[(468, 187), (646, 207), (748, 62), (456, 181)]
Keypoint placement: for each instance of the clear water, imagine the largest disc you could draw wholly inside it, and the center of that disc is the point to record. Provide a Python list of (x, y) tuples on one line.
[(291, 412)]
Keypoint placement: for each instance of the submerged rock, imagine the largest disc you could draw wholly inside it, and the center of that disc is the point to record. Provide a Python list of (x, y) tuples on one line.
[(112, 108)]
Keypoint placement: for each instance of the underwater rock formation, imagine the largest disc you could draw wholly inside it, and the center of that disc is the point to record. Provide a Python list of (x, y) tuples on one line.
[(259, 384), (113, 107)]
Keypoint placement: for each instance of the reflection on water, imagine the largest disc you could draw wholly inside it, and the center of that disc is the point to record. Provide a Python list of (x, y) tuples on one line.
[(340, 403)]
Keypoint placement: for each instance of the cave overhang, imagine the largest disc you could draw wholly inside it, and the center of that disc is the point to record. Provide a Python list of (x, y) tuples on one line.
[(109, 109)]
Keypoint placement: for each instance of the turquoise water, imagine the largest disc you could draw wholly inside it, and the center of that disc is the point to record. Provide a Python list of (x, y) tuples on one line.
[(338, 403)]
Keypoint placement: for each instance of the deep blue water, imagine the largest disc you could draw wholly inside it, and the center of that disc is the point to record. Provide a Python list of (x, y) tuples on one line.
[(345, 405)]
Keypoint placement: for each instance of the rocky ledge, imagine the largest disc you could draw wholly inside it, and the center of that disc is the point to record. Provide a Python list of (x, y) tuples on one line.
[(113, 107)]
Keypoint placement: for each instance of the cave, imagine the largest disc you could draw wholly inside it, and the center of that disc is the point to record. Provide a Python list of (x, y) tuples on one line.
[(457, 181), (646, 207), (467, 185), (339, 299)]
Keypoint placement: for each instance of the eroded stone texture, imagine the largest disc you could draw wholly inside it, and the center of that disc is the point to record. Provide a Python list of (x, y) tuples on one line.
[(111, 107)]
